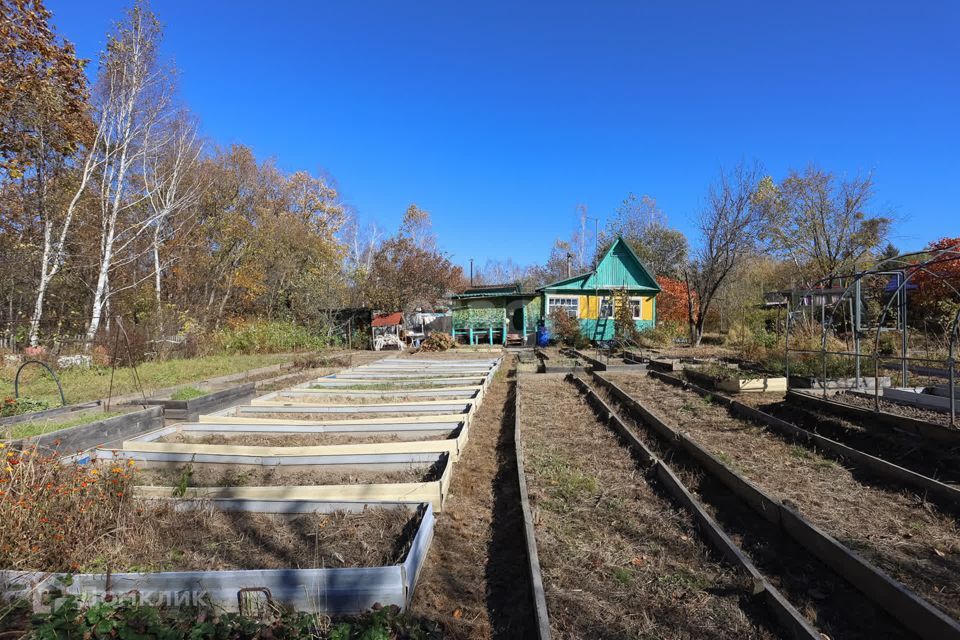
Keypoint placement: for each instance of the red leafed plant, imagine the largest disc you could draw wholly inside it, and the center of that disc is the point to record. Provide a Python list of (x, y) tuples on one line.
[(55, 514)]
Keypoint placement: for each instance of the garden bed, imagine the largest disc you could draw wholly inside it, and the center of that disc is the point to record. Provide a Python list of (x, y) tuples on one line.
[(300, 439), (189, 475), (361, 398), (617, 559), (895, 408), (910, 540), (731, 380), (189, 402)]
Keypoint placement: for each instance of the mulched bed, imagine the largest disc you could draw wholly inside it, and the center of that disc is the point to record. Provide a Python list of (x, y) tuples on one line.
[(936, 417), (243, 475), (297, 439), (618, 560), (161, 539), (929, 458), (287, 416), (900, 533)]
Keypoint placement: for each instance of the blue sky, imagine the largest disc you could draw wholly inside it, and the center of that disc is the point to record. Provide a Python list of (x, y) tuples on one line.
[(501, 117)]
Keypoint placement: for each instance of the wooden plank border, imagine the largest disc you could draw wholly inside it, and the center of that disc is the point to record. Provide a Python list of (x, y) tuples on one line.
[(785, 613), (914, 612), (537, 594), (927, 486)]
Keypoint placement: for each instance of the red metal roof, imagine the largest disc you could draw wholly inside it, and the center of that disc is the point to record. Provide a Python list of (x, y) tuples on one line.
[(388, 320)]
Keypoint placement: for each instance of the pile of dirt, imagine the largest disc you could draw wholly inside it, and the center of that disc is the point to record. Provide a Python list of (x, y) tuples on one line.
[(618, 560)]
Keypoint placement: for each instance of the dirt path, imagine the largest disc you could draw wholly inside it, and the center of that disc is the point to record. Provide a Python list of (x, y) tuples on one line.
[(474, 582), (907, 538), (618, 560)]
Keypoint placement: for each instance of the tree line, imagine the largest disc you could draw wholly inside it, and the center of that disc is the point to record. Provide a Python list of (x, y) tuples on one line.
[(753, 233), (113, 204)]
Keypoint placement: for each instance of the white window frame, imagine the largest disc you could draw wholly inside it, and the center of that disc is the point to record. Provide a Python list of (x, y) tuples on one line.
[(606, 307), (553, 303), (638, 309)]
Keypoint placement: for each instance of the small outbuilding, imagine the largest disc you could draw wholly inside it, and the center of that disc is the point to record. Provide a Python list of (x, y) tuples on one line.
[(387, 331)]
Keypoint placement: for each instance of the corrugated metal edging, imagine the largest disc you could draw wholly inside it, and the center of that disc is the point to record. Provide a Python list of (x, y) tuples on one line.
[(341, 591), (537, 593)]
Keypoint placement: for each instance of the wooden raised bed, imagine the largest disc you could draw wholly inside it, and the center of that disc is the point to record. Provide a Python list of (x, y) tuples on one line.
[(208, 403), (740, 384)]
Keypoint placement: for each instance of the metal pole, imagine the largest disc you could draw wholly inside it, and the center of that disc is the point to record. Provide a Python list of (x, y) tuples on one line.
[(823, 348), (902, 299), (876, 380), (952, 389), (856, 331)]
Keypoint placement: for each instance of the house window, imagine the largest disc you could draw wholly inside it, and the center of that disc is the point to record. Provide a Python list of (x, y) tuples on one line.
[(636, 307), (571, 305), (606, 307)]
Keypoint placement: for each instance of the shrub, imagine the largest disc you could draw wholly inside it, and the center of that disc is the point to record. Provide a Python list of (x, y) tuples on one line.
[(662, 335), (57, 513), (269, 336), (566, 329), (18, 406)]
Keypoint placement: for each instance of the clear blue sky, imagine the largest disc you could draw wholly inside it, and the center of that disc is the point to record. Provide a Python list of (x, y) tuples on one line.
[(500, 117)]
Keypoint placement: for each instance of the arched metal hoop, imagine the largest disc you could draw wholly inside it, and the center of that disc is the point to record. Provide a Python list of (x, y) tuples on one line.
[(16, 380), (905, 268)]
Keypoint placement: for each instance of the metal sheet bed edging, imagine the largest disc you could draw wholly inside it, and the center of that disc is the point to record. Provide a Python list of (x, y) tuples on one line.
[(890, 595), (331, 591), (533, 558), (784, 612), (874, 464)]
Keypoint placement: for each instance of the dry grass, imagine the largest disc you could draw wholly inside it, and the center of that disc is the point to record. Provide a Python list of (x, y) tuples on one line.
[(324, 398), (242, 475), (158, 538), (618, 560), (903, 535), (258, 439), (357, 415)]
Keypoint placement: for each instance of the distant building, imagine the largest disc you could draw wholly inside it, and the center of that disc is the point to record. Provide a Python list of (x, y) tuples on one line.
[(505, 314)]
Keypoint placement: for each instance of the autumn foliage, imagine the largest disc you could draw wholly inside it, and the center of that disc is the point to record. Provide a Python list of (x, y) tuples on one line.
[(936, 297), (672, 301), (54, 515)]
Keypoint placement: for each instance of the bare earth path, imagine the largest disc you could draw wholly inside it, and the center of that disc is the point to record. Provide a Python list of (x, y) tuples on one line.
[(474, 582)]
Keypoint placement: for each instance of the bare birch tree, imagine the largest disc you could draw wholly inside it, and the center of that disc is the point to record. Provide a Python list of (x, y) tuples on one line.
[(171, 185), (132, 94), (730, 228)]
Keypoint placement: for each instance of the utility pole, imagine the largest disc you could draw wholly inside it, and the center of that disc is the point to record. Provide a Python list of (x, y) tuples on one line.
[(471, 272)]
